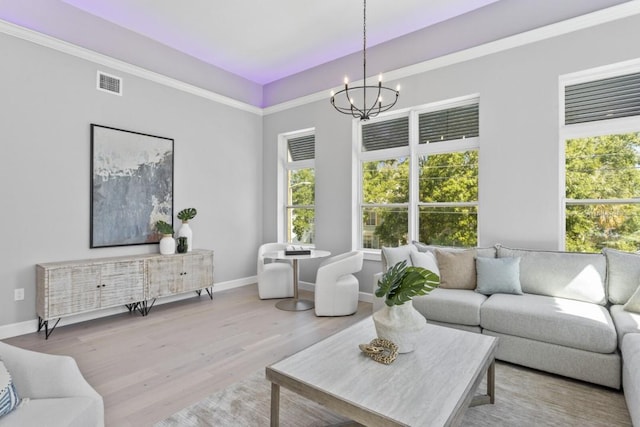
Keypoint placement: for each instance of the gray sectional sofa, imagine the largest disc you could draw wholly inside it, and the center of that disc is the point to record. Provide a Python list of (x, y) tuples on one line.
[(559, 312)]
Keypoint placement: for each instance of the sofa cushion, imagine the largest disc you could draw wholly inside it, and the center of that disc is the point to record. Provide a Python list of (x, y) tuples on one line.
[(626, 322), (498, 275), (458, 306), (457, 269), (573, 275), (489, 252), (633, 304), (392, 256), (9, 399), (61, 411), (631, 375), (560, 321), (623, 274), (425, 260)]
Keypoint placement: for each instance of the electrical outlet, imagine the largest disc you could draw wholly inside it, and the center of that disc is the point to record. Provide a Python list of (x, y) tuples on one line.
[(18, 294)]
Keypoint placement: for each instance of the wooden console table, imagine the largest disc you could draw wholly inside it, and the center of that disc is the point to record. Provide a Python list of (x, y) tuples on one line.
[(73, 287)]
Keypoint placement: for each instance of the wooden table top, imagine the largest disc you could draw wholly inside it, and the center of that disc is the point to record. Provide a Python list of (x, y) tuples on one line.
[(432, 385)]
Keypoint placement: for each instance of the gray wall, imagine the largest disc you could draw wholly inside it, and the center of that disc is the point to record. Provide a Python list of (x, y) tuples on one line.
[(520, 168), (225, 158), (89, 31), (48, 101)]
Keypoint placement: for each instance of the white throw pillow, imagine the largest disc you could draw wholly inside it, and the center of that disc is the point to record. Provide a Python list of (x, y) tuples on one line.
[(425, 260), (392, 256)]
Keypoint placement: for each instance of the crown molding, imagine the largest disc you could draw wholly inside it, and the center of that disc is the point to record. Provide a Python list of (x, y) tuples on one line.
[(98, 58), (593, 19)]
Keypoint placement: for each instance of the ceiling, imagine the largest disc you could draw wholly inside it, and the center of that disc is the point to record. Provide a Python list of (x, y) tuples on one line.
[(264, 41)]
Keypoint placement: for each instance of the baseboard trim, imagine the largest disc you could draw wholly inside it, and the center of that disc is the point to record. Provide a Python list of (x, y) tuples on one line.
[(30, 326)]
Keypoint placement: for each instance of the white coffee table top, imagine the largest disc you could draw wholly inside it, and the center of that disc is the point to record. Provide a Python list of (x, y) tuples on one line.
[(432, 385)]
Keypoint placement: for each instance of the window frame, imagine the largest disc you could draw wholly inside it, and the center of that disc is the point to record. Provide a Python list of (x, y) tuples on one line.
[(597, 128), (284, 167), (412, 151)]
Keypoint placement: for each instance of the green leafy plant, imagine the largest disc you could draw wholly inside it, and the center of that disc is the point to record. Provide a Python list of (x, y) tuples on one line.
[(187, 214), (164, 228), (401, 283)]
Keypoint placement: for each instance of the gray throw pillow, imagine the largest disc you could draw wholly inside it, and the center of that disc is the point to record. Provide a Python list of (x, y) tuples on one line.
[(498, 276)]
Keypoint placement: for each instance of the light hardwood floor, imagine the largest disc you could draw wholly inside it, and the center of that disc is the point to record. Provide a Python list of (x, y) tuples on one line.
[(147, 368)]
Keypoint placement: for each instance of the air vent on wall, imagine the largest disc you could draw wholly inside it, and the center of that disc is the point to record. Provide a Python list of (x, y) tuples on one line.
[(109, 83)]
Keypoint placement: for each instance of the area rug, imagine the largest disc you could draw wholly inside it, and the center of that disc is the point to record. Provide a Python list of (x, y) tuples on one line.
[(524, 397)]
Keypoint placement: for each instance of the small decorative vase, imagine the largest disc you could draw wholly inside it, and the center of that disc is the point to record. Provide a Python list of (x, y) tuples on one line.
[(400, 324), (185, 231), (182, 245), (167, 245)]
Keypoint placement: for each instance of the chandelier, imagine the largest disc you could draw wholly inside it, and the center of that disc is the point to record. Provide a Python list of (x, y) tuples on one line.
[(372, 106)]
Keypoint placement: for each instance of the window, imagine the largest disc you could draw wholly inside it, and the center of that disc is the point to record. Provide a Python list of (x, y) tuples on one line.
[(297, 178), (417, 176), (602, 161)]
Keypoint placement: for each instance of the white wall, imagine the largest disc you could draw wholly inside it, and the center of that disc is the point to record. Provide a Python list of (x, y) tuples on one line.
[(48, 101), (520, 171)]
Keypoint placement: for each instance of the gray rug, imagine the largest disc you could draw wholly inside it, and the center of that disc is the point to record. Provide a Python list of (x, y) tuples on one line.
[(524, 397)]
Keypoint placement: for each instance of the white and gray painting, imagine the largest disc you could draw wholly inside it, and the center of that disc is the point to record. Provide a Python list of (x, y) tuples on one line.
[(132, 186)]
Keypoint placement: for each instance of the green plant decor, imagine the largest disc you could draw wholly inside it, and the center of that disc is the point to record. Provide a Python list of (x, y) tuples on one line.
[(164, 228), (401, 283), (187, 214)]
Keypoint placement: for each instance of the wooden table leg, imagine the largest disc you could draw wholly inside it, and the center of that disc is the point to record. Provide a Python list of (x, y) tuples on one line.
[(275, 405), (490, 397), (491, 382)]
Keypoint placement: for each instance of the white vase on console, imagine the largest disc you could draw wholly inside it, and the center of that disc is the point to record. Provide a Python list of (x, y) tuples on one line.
[(167, 245), (185, 231)]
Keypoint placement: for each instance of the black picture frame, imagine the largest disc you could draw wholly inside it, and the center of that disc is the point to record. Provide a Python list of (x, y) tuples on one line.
[(131, 186)]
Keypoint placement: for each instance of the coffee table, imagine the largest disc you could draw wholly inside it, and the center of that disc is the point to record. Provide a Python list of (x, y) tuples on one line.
[(431, 386)]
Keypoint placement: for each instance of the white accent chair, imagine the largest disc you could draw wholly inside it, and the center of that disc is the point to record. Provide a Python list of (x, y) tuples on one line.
[(275, 279), (54, 391), (336, 290)]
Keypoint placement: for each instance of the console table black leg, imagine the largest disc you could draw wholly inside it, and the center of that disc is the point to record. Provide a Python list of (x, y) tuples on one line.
[(45, 323), (144, 308), (132, 307), (210, 292)]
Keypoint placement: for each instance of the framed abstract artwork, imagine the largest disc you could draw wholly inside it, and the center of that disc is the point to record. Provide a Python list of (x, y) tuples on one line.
[(131, 186)]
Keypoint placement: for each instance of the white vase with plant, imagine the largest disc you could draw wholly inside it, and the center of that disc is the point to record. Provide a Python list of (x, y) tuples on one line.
[(167, 242), (185, 216), (398, 321)]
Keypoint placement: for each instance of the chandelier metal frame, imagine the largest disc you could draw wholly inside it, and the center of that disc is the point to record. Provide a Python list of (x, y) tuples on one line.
[(377, 106)]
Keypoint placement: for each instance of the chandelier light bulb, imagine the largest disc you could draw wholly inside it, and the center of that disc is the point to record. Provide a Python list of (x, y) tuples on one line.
[(346, 80), (380, 77), (398, 88)]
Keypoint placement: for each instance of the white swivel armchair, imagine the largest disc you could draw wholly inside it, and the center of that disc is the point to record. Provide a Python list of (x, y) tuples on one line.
[(336, 291), (275, 279)]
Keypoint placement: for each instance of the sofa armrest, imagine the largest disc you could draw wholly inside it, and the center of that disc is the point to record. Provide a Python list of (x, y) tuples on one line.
[(40, 375), (378, 303)]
